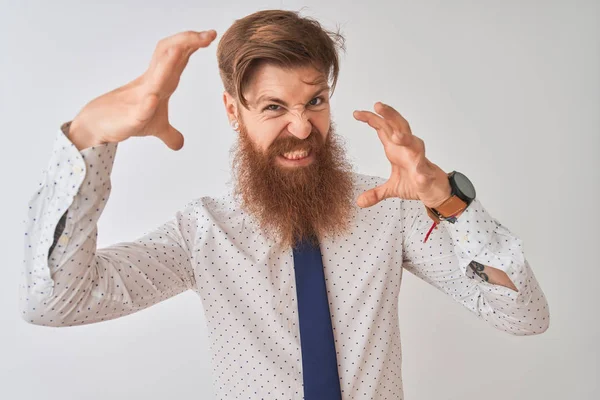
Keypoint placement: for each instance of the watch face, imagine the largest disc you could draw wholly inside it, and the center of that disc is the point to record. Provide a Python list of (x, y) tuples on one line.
[(464, 185)]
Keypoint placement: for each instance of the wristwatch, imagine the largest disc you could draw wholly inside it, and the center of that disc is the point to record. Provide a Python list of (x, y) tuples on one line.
[(462, 194)]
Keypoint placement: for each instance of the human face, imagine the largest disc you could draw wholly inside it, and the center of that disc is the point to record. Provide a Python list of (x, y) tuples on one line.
[(300, 199), (284, 103)]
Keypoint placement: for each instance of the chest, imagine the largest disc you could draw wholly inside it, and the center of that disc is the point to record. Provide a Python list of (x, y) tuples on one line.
[(242, 275)]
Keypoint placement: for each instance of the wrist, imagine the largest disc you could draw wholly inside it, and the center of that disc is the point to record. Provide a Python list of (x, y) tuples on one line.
[(446, 191), (79, 136), (462, 193)]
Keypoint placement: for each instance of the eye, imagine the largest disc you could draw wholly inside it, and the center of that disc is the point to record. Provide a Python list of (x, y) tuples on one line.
[(272, 107), (319, 102)]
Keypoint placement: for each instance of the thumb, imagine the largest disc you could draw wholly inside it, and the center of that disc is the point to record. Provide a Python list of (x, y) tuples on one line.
[(372, 196), (172, 138)]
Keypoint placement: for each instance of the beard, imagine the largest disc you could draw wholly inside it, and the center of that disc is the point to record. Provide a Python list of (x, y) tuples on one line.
[(294, 204)]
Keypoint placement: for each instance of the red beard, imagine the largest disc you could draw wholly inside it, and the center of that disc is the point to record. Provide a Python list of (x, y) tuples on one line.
[(295, 203)]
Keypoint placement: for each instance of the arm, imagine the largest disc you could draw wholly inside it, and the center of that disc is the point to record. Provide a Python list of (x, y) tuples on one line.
[(451, 260), (66, 280), (490, 274), (446, 260)]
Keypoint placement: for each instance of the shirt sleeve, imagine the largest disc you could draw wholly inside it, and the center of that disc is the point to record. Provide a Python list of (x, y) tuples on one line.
[(66, 280), (444, 262)]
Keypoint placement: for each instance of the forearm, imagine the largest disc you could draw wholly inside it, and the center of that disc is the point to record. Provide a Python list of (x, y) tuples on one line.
[(66, 279), (492, 275)]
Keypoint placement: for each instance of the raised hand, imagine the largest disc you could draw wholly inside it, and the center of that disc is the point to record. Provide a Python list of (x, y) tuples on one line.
[(140, 108), (413, 176)]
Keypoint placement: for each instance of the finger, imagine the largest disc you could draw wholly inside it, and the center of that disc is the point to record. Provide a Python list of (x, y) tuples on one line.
[(202, 39), (375, 122), (394, 118), (372, 196), (401, 139), (172, 138), (163, 76), (164, 130), (185, 42), (171, 57), (386, 132), (191, 40), (400, 130)]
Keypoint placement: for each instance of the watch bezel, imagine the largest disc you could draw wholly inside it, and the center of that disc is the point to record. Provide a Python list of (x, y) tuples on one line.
[(456, 190)]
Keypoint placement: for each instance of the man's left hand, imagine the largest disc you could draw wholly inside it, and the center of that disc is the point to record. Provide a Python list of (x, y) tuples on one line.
[(413, 176)]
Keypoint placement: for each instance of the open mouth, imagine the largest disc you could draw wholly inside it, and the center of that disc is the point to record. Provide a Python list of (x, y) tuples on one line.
[(296, 157), (296, 154)]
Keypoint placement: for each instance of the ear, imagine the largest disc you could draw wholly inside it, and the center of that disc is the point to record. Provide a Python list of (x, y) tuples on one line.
[(230, 106)]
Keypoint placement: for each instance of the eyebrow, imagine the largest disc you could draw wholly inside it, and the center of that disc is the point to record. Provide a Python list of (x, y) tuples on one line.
[(266, 98)]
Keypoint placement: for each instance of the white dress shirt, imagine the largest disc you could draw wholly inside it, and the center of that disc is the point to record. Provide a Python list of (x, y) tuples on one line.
[(246, 285)]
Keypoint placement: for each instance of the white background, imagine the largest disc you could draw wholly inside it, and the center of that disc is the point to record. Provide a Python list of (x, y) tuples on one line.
[(506, 92)]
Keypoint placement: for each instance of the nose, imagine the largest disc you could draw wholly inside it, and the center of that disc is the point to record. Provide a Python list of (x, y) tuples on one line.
[(300, 126)]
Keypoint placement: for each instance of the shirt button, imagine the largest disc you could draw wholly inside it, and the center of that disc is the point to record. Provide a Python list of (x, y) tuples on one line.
[(77, 169)]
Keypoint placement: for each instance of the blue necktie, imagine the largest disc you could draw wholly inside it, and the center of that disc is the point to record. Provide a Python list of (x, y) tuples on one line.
[(319, 362)]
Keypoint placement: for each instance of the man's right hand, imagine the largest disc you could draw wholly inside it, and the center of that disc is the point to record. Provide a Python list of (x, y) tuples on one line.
[(140, 108)]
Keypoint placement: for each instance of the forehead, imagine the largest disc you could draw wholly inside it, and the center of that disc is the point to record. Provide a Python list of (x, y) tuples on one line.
[(273, 80)]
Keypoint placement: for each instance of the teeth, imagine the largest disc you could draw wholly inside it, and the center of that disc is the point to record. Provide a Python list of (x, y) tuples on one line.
[(295, 155)]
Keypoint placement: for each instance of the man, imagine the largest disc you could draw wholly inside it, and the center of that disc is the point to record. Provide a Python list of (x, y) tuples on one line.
[(299, 267)]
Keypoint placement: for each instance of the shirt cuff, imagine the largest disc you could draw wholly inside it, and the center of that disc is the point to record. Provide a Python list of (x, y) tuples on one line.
[(91, 166), (477, 236)]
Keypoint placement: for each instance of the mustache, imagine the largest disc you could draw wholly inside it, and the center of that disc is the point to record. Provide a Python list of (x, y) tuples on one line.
[(314, 141)]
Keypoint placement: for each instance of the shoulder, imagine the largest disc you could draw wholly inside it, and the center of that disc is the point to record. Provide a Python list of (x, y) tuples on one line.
[(222, 208)]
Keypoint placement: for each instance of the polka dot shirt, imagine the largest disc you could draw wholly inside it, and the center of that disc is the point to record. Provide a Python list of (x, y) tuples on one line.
[(246, 283)]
